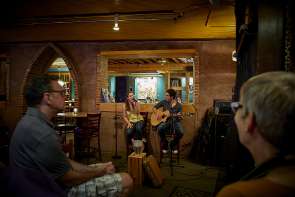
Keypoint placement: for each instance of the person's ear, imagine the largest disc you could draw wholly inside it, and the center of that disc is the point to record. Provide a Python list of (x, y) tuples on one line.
[(46, 97), (252, 126)]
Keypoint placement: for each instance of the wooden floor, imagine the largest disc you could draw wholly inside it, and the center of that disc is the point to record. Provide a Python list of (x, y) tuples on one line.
[(191, 180)]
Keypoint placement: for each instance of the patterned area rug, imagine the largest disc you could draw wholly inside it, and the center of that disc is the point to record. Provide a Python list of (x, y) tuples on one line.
[(188, 192)]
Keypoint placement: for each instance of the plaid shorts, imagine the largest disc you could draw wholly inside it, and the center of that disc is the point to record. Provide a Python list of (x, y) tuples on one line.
[(109, 185)]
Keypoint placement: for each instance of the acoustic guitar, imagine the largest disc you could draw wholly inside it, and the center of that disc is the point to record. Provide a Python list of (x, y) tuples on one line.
[(159, 116)]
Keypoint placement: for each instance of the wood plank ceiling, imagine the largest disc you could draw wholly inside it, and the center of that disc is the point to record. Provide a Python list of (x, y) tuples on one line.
[(92, 20), (174, 61), (123, 66), (149, 65)]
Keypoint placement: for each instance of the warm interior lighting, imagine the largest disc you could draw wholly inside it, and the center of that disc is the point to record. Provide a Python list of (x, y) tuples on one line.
[(162, 61), (61, 83), (234, 56), (116, 24)]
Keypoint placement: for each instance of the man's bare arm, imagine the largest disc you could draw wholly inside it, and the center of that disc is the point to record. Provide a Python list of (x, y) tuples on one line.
[(81, 173)]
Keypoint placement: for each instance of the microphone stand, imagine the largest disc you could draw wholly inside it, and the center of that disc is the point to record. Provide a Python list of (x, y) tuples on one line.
[(116, 156), (172, 129)]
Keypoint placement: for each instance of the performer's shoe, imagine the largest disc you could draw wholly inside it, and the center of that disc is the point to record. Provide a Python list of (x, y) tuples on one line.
[(164, 147), (175, 152), (164, 151), (173, 148)]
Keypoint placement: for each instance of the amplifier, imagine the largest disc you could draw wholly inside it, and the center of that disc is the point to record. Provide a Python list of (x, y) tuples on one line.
[(222, 106)]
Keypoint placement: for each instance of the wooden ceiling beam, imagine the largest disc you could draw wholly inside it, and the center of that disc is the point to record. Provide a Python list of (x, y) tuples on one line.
[(146, 68), (130, 66), (149, 53)]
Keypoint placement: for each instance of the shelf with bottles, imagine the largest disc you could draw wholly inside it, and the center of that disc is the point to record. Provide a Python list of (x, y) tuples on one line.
[(182, 83), (175, 82), (176, 88)]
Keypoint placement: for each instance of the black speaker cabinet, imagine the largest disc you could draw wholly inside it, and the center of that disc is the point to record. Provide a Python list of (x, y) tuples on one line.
[(222, 106)]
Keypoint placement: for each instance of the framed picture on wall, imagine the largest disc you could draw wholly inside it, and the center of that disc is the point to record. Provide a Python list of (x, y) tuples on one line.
[(147, 87), (4, 78), (105, 95)]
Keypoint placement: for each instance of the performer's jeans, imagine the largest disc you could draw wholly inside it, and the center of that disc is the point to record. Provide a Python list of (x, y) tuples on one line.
[(135, 131), (173, 128)]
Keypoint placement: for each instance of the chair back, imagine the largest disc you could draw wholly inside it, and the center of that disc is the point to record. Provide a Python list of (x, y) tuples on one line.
[(84, 136), (93, 122)]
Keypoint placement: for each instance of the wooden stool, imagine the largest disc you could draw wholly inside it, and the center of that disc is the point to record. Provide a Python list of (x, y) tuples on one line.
[(170, 137), (135, 167)]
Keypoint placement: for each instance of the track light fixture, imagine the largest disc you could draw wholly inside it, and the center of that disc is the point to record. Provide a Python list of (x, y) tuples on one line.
[(116, 24)]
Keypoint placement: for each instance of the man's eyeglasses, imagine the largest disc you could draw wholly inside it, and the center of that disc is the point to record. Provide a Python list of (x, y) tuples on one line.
[(235, 106), (61, 92)]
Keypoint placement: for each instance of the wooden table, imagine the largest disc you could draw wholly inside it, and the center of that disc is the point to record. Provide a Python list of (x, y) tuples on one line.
[(77, 118), (73, 114), (70, 120)]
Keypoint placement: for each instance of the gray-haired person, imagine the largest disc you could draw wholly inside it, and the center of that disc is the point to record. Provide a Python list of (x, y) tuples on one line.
[(34, 145), (265, 119)]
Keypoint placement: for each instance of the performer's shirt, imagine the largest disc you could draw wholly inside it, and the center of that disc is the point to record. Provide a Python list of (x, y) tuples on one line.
[(134, 117), (167, 106)]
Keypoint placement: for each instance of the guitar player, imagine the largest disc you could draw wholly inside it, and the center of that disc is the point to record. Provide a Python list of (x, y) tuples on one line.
[(172, 125)]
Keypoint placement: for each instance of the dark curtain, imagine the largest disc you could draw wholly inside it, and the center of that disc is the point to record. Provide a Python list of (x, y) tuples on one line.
[(121, 89), (246, 43), (289, 37)]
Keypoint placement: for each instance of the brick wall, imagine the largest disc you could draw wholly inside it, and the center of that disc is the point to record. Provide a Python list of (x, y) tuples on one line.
[(217, 73), (102, 77), (214, 70)]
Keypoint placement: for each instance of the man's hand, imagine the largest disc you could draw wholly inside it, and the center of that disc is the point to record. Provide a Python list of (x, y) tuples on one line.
[(109, 168), (79, 173), (179, 115)]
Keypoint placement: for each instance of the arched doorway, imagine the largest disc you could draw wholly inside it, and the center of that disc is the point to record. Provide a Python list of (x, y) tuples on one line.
[(60, 69), (47, 56)]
